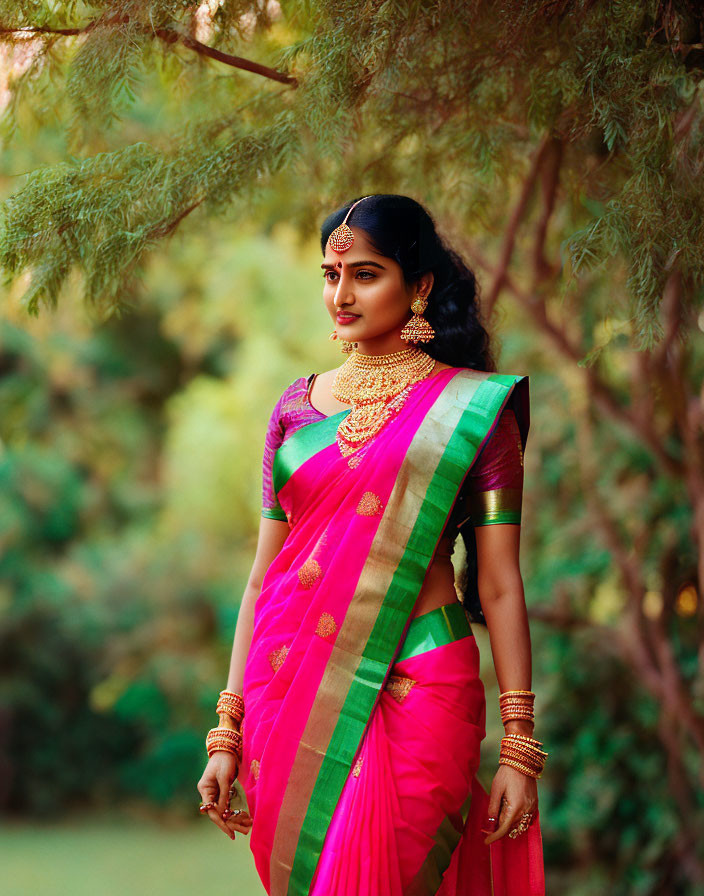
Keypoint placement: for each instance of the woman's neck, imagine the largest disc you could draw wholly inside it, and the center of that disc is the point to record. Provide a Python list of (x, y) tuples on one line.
[(386, 344)]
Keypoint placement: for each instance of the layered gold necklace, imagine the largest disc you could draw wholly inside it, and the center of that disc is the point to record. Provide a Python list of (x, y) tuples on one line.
[(376, 386)]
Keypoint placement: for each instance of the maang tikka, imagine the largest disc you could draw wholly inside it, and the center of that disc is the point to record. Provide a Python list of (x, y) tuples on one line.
[(340, 240)]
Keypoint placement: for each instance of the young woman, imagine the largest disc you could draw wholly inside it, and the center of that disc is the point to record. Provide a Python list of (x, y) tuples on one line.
[(354, 712)]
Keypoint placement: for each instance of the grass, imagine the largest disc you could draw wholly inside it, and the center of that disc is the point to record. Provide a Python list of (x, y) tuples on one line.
[(123, 856)]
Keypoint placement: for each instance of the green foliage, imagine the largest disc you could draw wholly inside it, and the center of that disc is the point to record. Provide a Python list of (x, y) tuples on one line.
[(129, 489), (182, 195), (609, 792), (121, 203), (386, 93)]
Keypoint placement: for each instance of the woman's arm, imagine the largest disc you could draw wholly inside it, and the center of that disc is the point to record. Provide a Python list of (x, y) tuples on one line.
[(500, 587), (272, 535), (222, 767)]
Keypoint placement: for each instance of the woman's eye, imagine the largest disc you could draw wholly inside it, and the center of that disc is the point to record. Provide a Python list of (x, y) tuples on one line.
[(364, 275)]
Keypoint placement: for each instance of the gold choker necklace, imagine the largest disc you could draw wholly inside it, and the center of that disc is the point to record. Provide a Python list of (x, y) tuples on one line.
[(376, 386)]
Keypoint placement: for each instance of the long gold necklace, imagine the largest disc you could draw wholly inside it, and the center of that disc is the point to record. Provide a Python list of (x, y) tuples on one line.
[(376, 386)]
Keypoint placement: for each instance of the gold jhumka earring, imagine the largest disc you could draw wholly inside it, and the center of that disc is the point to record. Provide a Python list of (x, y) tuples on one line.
[(340, 240), (346, 346), (418, 329)]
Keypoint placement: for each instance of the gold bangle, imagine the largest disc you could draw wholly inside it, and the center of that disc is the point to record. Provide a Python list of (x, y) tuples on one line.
[(224, 739), (520, 767), (520, 757), (533, 754), (524, 737), (232, 704)]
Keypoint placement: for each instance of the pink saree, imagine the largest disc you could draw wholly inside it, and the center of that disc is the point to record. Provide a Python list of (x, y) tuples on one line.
[(363, 728)]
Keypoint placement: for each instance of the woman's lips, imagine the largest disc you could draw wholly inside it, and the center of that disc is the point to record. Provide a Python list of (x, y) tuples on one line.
[(346, 318)]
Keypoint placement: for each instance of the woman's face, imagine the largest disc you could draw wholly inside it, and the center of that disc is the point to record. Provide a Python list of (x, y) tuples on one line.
[(366, 296)]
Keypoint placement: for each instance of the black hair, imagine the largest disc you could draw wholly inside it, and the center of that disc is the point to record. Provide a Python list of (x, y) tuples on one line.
[(402, 229)]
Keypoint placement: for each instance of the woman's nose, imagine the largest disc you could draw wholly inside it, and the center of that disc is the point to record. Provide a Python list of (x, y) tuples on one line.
[(343, 293)]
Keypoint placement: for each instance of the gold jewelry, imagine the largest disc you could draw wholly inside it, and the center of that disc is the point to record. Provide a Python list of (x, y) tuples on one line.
[(206, 807), (517, 705), (522, 826), (417, 329), (232, 704), (346, 347), (523, 753), (376, 386), (224, 739), (342, 238)]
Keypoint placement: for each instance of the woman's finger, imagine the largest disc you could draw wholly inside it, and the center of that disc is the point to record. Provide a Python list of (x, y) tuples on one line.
[(495, 797), (240, 823), (210, 794), (216, 817), (208, 787), (507, 818), (224, 782)]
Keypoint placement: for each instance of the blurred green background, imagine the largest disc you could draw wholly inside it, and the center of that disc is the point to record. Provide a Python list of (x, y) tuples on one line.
[(162, 286)]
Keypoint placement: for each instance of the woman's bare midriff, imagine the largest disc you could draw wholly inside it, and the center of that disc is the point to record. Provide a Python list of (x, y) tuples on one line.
[(439, 586)]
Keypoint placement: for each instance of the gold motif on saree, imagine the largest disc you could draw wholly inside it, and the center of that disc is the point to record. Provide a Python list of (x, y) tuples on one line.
[(358, 767), (326, 626), (354, 461), (277, 657), (369, 504), (254, 769), (309, 573), (399, 686)]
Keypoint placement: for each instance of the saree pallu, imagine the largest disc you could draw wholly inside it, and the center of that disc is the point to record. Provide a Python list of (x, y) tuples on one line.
[(330, 627)]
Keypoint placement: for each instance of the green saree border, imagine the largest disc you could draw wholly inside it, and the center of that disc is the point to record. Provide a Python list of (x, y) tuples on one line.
[(428, 880), (301, 445), (440, 626), (439, 457)]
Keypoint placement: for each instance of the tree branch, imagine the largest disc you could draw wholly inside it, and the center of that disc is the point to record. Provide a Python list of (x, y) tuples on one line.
[(509, 240), (600, 391), (169, 36), (549, 182)]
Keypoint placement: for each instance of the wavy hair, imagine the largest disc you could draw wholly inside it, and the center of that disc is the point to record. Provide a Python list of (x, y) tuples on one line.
[(402, 229)]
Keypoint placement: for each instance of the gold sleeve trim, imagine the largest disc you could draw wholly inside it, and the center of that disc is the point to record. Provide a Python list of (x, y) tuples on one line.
[(496, 505)]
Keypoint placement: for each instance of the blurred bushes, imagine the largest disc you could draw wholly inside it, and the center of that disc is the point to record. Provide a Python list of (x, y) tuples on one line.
[(130, 492)]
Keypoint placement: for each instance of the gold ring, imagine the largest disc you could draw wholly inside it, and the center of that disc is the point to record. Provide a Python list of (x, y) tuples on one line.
[(522, 825)]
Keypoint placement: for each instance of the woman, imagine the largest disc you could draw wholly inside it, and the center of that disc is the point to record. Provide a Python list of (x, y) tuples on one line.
[(354, 659)]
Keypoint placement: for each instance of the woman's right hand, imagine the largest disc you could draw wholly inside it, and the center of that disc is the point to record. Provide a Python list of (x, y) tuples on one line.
[(214, 787)]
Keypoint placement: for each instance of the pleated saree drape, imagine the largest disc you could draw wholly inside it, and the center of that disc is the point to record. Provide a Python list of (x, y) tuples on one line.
[(332, 625)]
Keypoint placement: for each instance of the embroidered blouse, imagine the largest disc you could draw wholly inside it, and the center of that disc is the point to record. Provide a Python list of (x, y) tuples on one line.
[(491, 493)]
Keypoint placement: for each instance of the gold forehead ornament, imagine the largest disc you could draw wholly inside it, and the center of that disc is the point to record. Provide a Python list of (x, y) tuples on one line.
[(341, 238)]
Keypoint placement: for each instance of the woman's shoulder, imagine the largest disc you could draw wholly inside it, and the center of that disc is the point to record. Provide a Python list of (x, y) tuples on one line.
[(294, 396), (496, 374)]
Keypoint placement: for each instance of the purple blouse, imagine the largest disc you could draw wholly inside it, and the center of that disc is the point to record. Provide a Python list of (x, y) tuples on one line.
[(491, 493)]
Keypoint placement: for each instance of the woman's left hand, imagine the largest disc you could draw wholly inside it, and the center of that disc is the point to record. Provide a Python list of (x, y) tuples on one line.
[(512, 795)]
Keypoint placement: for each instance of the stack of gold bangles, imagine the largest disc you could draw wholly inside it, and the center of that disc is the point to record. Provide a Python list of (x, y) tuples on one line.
[(519, 750), (227, 736)]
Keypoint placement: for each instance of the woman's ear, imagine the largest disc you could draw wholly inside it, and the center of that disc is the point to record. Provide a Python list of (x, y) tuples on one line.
[(425, 283)]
